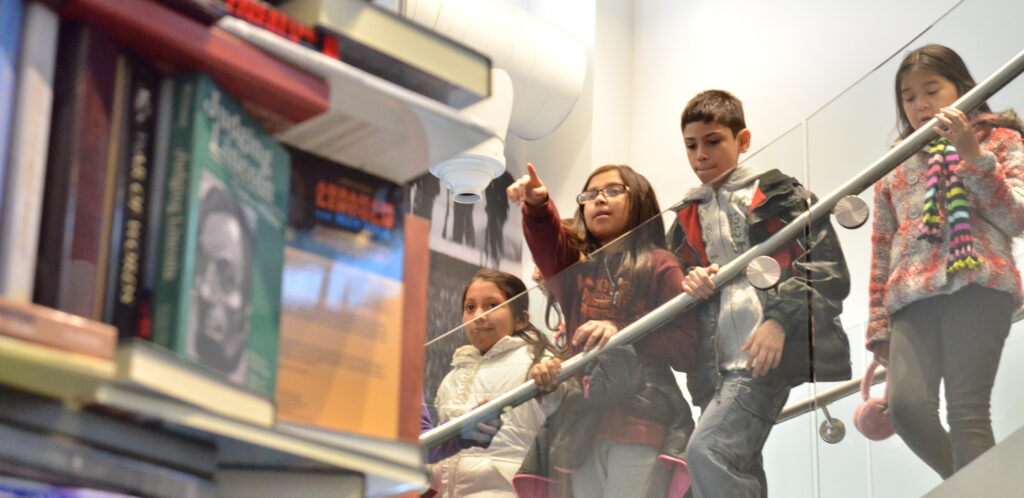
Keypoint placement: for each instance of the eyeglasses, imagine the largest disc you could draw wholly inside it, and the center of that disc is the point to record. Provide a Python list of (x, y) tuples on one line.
[(613, 190)]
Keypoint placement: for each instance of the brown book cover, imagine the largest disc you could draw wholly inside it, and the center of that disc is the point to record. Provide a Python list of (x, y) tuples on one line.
[(78, 197), (277, 94), (342, 345), (49, 327), (414, 325)]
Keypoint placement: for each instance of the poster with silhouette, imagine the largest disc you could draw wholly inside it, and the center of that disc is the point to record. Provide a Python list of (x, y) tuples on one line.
[(463, 239)]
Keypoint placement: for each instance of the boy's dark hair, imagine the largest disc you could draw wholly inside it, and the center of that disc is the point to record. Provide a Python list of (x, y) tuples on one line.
[(715, 106)]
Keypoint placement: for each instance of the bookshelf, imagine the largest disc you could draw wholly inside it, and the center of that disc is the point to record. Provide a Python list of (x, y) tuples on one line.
[(313, 103), (325, 107), (77, 380)]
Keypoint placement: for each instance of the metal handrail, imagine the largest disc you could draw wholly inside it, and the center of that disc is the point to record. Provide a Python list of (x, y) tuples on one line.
[(843, 390), (827, 396), (683, 302)]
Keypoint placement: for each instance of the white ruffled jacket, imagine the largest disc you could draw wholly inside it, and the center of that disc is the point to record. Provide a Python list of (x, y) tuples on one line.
[(488, 472)]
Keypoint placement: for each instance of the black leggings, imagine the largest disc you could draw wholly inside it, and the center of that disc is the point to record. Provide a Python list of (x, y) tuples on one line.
[(956, 338)]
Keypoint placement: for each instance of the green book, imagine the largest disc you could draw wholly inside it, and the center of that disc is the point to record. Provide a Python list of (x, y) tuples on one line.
[(218, 290)]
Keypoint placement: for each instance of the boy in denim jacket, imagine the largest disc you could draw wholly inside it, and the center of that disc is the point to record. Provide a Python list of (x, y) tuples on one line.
[(755, 344)]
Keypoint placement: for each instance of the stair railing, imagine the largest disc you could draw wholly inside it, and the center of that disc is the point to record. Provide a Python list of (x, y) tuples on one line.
[(684, 302)]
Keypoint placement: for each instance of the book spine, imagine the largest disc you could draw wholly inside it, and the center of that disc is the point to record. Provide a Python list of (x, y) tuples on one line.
[(23, 190), (132, 201), (281, 94), (98, 428), (171, 300), (158, 182), (281, 24), (73, 462), (10, 33), (42, 325), (112, 214), (74, 234)]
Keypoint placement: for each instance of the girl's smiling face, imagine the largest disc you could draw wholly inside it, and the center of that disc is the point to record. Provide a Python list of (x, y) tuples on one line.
[(483, 329), (606, 217), (923, 93)]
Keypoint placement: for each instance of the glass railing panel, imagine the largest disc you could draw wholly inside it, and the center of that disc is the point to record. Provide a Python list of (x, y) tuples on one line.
[(844, 137), (583, 287), (788, 451), (578, 281)]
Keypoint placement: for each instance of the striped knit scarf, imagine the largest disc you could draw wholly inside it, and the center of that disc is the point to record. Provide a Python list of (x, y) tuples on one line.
[(942, 157)]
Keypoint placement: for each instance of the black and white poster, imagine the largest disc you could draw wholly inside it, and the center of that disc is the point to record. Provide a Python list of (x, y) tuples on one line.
[(463, 239)]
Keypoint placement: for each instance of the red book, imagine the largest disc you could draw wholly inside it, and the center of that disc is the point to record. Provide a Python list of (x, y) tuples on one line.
[(74, 240), (278, 94), (49, 327)]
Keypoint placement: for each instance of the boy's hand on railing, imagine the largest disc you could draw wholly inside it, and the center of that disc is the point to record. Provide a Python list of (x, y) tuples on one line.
[(698, 282), (545, 374), (594, 334), (528, 188), (764, 348)]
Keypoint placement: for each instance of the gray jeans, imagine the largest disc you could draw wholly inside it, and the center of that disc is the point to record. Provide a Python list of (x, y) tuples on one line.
[(620, 470), (724, 454), (956, 338)]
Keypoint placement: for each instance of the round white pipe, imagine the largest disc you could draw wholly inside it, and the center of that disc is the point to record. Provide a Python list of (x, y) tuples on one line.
[(468, 174), (547, 64)]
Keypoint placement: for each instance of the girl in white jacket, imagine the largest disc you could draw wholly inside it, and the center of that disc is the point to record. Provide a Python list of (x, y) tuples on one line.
[(503, 346)]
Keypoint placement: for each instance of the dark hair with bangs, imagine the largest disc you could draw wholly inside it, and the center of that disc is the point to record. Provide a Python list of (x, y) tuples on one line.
[(644, 212), (940, 60), (513, 290), (715, 106)]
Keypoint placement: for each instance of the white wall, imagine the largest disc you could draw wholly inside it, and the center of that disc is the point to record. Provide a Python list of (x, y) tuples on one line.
[(786, 60)]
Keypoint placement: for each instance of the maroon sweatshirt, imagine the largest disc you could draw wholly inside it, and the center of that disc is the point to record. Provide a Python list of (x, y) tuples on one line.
[(591, 291)]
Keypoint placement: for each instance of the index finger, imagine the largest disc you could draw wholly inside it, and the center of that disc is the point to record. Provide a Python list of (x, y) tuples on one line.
[(533, 172)]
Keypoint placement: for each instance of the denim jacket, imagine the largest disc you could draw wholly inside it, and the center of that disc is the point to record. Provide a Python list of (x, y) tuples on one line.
[(806, 301)]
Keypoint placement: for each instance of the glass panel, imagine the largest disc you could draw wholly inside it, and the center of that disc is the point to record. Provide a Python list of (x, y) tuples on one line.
[(594, 287), (845, 137), (609, 285)]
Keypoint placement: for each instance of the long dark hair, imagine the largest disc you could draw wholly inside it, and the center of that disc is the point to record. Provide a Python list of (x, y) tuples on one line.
[(513, 290), (940, 60), (644, 210)]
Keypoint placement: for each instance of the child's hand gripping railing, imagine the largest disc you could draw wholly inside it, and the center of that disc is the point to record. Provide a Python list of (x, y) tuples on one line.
[(680, 304)]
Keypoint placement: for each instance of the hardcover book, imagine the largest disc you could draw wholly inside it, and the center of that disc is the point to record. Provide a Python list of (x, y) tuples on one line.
[(366, 37), (218, 290), (278, 94), (74, 245), (398, 50), (10, 33), (26, 167), (340, 365), (132, 188), (50, 327)]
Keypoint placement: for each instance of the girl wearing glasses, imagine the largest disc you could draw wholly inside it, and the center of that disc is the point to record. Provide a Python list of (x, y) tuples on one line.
[(624, 424)]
